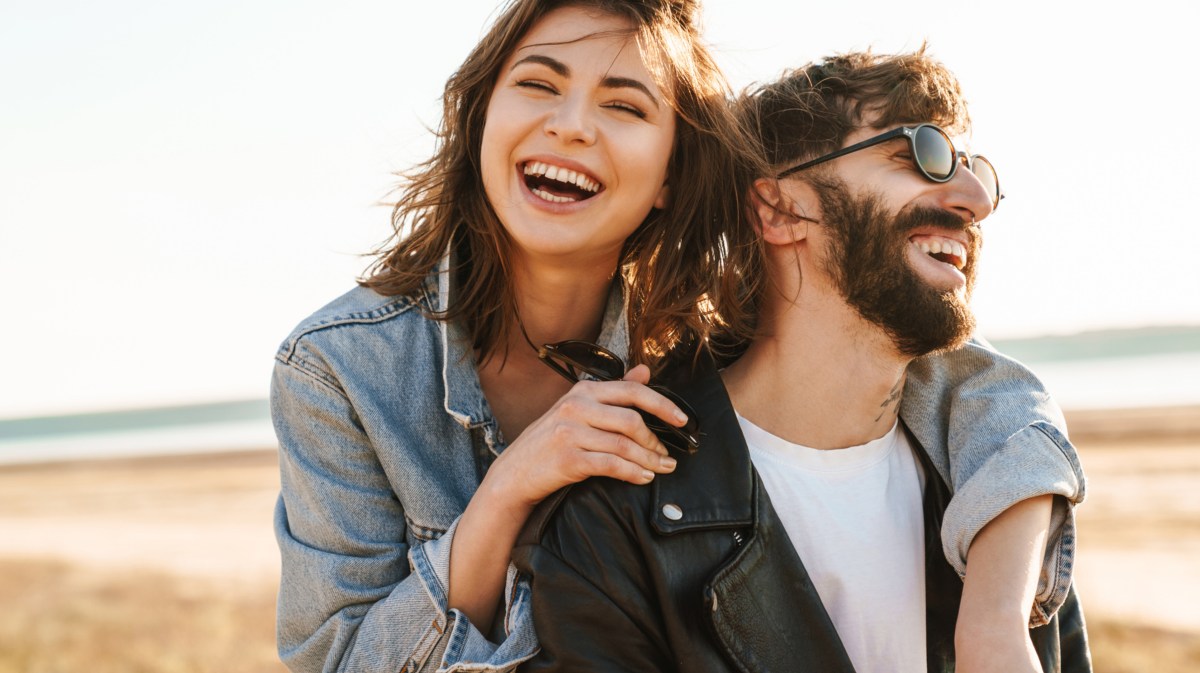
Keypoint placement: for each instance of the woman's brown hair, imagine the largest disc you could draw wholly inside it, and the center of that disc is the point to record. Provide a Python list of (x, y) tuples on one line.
[(672, 264)]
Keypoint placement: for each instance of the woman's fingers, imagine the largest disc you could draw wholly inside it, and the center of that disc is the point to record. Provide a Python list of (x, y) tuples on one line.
[(613, 419), (610, 465), (632, 394), (596, 429), (639, 374), (600, 442)]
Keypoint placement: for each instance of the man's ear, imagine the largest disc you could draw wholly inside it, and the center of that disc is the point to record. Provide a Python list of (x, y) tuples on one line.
[(777, 223)]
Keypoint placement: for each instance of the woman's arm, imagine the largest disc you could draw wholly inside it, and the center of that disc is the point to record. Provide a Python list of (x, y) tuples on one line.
[(591, 431), (353, 595), (992, 635), (998, 439), (350, 599)]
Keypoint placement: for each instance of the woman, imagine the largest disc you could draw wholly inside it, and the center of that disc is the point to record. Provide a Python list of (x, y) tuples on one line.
[(587, 166), (417, 426)]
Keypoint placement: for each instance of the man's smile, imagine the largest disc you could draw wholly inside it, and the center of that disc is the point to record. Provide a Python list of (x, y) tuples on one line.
[(942, 248)]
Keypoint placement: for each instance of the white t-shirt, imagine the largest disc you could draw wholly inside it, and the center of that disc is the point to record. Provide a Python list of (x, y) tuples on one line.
[(855, 518)]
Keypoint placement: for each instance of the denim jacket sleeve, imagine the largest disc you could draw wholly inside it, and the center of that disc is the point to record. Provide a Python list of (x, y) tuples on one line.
[(354, 595), (998, 438)]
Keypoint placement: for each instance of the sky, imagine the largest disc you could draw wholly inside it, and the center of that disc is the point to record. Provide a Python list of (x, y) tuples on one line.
[(182, 183)]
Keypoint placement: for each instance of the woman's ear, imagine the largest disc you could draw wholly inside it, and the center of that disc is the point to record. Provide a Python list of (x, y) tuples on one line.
[(777, 223), (663, 198)]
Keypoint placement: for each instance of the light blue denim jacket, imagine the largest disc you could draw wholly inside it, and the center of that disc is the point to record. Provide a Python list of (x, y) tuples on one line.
[(385, 434)]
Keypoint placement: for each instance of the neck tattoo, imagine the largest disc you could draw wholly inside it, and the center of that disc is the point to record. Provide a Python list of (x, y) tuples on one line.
[(893, 400)]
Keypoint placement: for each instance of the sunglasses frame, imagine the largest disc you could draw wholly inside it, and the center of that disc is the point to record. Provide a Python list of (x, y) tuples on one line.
[(686, 438), (909, 133)]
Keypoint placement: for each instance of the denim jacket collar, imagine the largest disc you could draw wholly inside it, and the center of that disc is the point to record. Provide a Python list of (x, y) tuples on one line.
[(464, 400)]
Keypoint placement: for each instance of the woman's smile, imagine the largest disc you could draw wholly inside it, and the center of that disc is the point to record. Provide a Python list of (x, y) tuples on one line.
[(576, 124), (559, 184)]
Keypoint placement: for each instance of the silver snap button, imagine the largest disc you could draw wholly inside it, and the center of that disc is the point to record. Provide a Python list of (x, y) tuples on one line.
[(672, 511), (714, 607)]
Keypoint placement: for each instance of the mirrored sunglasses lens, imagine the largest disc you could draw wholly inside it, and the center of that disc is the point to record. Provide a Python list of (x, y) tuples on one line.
[(983, 169), (591, 359), (934, 152)]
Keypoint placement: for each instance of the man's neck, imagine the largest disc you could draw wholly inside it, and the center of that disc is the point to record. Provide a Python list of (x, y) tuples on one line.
[(819, 375)]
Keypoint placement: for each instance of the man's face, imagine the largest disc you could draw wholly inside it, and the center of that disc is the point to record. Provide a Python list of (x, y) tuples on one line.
[(874, 263), (901, 250)]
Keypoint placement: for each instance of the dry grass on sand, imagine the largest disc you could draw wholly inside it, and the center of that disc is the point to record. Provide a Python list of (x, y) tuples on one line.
[(59, 618), (168, 565)]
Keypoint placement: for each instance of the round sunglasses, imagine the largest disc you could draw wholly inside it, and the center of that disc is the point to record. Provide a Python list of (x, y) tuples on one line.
[(933, 153), (575, 359)]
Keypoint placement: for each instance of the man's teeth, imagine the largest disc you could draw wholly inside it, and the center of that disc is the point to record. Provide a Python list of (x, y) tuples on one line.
[(945, 247), (560, 174)]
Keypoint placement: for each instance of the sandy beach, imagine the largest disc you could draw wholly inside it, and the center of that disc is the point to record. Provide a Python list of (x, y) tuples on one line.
[(175, 555)]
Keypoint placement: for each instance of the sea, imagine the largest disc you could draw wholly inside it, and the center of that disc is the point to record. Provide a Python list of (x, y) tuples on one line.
[(1111, 369)]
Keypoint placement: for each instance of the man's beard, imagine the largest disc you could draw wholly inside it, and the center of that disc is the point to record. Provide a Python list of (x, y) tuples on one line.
[(868, 262)]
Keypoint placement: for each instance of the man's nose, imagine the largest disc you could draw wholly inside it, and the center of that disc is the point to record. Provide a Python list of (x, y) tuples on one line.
[(965, 194)]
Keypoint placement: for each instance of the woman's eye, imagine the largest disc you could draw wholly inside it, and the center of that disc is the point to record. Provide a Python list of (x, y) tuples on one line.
[(536, 84), (626, 107)]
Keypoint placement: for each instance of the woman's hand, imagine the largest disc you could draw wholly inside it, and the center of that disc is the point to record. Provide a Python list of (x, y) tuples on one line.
[(593, 430)]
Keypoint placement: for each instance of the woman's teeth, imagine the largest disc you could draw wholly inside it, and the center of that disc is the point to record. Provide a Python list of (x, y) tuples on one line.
[(564, 176)]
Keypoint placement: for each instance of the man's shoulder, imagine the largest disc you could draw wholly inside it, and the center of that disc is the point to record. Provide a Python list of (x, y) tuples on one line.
[(590, 505)]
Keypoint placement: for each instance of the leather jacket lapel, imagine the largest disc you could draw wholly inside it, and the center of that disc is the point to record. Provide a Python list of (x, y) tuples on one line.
[(764, 609)]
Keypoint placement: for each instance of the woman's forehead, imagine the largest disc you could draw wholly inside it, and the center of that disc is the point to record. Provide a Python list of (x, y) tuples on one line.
[(572, 25), (590, 33)]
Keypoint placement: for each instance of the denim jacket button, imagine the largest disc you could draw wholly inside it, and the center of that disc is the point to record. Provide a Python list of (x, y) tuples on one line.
[(672, 511)]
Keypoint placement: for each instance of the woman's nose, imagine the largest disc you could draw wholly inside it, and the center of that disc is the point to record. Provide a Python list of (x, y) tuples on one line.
[(572, 122)]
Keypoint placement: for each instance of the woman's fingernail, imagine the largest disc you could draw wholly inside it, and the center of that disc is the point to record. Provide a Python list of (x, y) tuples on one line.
[(667, 462), (680, 417), (647, 476)]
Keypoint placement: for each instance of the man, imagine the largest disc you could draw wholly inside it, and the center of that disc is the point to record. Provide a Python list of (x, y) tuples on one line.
[(803, 536)]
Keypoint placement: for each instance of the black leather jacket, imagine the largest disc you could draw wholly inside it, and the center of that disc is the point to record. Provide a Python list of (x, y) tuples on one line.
[(623, 582)]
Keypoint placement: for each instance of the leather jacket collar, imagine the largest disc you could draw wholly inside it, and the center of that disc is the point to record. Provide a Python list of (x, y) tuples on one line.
[(713, 487), (764, 608)]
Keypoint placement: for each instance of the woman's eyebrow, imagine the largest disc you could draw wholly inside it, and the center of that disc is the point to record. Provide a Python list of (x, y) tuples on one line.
[(611, 82), (627, 83), (557, 66)]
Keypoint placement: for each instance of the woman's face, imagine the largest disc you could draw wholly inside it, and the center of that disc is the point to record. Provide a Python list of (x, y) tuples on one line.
[(576, 140)]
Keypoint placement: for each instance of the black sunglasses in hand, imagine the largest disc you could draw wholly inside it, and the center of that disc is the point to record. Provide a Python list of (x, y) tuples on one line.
[(575, 359)]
